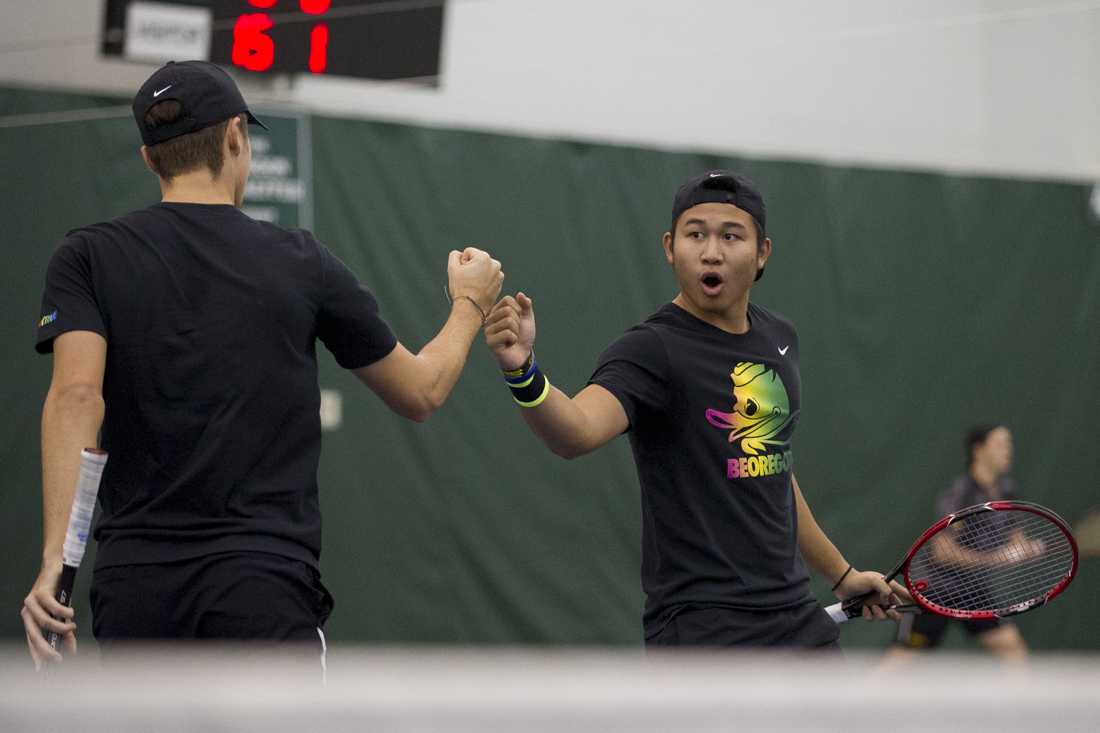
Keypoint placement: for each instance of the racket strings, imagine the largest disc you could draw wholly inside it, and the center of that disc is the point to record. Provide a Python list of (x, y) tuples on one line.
[(1014, 581), (981, 599), (991, 561)]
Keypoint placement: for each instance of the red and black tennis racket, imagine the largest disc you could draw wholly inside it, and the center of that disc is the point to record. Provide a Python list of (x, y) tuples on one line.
[(987, 561)]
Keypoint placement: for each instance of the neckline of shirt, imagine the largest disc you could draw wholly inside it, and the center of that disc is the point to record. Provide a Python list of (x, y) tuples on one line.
[(690, 319)]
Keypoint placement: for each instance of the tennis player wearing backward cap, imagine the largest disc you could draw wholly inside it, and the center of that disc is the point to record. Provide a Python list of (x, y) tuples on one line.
[(187, 332), (708, 390)]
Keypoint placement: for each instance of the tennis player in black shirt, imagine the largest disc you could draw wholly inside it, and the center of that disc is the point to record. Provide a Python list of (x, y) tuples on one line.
[(187, 333), (708, 390), (989, 452)]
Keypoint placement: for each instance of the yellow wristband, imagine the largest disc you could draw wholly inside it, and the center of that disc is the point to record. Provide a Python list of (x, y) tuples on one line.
[(538, 400)]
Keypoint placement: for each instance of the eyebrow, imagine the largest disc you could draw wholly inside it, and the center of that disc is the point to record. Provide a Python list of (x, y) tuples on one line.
[(725, 224)]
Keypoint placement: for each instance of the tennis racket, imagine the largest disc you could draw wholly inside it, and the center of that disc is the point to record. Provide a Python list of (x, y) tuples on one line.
[(987, 561), (92, 462)]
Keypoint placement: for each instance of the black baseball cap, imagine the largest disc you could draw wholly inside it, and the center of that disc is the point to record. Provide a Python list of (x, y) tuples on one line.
[(206, 93), (721, 187)]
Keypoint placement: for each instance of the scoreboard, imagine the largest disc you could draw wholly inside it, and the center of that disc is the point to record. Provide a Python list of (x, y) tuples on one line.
[(374, 39)]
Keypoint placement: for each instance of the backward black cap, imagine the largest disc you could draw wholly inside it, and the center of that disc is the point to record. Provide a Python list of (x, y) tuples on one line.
[(206, 93), (722, 187)]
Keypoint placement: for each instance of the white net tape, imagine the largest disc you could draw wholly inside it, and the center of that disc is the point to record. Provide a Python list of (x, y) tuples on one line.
[(536, 691)]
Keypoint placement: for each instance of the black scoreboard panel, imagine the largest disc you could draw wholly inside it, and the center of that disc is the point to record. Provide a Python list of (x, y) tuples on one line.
[(374, 39), (379, 39)]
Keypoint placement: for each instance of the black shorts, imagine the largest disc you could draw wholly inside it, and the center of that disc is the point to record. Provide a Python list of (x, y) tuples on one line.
[(237, 596), (926, 630), (803, 627)]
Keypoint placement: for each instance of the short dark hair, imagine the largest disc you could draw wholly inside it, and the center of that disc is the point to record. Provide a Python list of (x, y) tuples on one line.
[(188, 152), (976, 436)]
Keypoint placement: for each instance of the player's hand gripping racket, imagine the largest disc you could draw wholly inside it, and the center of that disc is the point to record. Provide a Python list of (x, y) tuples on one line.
[(92, 462), (987, 561)]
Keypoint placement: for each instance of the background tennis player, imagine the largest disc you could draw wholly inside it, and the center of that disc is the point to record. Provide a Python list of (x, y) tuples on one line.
[(989, 453)]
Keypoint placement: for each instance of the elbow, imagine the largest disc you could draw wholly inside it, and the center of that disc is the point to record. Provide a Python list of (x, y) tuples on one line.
[(77, 397), (419, 415), (423, 408), (418, 412), (427, 406), (568, 452)]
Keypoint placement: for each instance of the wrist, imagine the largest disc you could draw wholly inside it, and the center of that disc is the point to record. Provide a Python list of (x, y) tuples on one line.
[(471, 296), (512, 367), (466, 304), (529, 386), (842, 577)]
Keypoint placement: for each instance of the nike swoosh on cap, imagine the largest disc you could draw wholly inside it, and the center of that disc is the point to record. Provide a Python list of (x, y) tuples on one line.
[(159, 92)]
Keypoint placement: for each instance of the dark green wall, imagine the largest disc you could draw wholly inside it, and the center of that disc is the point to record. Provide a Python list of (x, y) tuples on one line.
[(925, 303)]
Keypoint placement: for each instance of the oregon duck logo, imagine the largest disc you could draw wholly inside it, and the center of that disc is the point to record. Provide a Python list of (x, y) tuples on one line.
[(761, 408)]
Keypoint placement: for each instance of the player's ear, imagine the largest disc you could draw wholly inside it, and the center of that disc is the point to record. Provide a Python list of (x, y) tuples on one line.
[(667, 242), (763, 252), (145, 157), (234, 136)]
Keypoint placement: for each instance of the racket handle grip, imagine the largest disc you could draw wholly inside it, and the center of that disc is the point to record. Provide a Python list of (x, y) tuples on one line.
[(849, 609), (64, 596)]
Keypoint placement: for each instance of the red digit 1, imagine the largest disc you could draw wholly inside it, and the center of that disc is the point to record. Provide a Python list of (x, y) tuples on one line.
[(252, 48), (318, 48), (318, 37)]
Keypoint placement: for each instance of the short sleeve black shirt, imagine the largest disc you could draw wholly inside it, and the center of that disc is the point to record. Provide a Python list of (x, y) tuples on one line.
[(712, 415), (964, 492), (212, 404)]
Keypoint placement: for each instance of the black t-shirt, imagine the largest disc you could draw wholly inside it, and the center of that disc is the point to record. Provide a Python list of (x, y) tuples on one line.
[(212, 404), (963, 492), (711, 416)]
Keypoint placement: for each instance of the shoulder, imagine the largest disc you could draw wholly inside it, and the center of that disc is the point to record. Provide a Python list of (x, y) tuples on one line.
[(101, 234), (954, 496), (636, 341), (91, 240), (129, 220), (769, 320), (959, 485), (641, 346), (649, 334)]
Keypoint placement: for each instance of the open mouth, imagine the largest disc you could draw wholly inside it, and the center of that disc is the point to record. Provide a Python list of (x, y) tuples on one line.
[(711, 282)]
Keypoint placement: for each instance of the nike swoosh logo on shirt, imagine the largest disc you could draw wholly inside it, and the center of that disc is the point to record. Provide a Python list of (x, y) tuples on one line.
[(159, 92), (783, 351)]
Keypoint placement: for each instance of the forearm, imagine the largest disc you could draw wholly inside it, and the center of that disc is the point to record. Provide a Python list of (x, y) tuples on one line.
[(560, 423), (946, 551), (441, 360), (817, 549), (71, 419)]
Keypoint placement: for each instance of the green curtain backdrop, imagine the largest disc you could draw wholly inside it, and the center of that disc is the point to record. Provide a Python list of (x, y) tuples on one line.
[(925, 303)]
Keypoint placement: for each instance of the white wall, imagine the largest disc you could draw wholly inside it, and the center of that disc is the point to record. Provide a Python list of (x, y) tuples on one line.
[(994, 86)]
